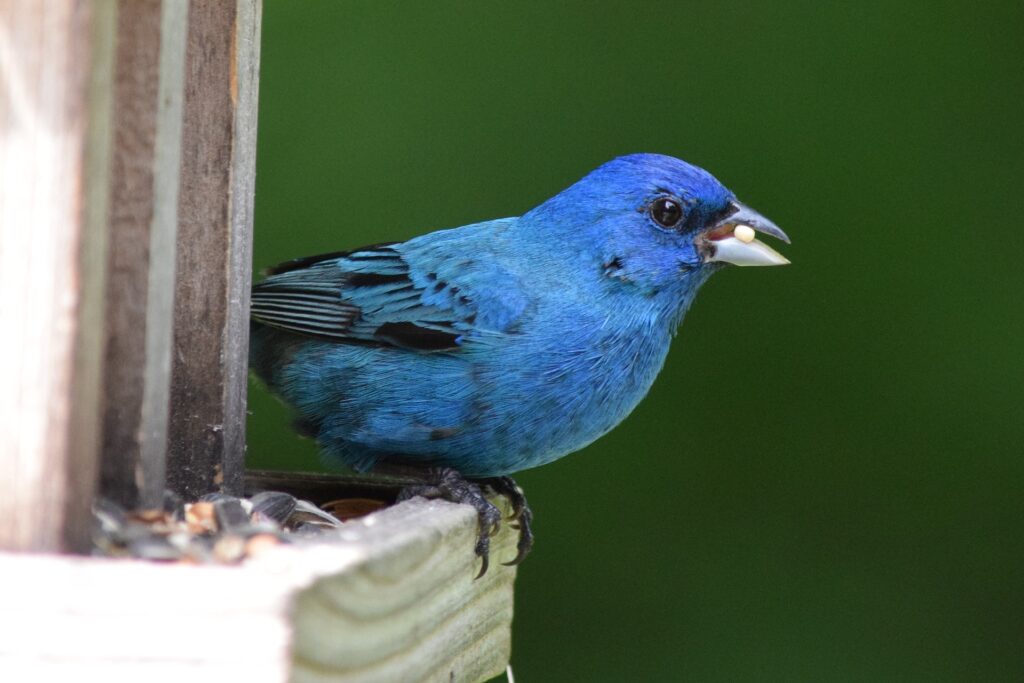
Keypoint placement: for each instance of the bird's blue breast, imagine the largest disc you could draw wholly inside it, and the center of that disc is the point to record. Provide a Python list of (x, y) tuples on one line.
[(531, 400)]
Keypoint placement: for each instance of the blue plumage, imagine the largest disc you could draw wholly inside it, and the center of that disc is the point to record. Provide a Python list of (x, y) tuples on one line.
[(503, 345)]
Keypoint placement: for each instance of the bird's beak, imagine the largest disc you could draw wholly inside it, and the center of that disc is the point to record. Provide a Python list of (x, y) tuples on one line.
[(731, 240)]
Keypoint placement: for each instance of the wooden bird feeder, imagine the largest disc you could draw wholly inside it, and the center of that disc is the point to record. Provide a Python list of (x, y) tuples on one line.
[(127, 165)]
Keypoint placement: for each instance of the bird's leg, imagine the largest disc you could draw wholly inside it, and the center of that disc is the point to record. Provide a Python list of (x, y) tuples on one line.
[(521, 515), (447, 484)]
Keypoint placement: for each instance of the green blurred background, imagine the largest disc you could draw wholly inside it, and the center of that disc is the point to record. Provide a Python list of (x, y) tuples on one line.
[(825, 482)]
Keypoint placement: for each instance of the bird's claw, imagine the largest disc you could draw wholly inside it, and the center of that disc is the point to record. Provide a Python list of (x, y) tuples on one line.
[(521, 515), (448, 484)]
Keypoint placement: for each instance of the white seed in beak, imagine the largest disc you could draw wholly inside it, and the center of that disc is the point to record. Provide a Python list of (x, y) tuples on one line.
[(744, 233)]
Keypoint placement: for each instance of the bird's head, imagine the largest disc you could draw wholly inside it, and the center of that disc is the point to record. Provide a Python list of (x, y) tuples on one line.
[(658, 223)]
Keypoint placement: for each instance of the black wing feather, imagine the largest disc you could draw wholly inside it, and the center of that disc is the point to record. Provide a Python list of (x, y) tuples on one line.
[(363, 296)]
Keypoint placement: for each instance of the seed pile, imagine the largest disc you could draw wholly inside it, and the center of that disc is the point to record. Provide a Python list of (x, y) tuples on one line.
[(218, 528)]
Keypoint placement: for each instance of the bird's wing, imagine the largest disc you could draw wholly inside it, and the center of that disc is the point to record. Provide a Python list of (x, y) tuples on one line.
[(386, 295)]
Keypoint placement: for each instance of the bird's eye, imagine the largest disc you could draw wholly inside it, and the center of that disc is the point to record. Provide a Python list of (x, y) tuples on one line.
[(666, 212)]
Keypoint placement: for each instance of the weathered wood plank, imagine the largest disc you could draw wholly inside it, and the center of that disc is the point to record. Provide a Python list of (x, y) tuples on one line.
[(55, 72), (148, 92), (211, 328), (390, 597), (410, 609)]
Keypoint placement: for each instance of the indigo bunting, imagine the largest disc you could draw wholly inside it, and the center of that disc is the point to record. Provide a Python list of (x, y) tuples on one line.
[(480, 351)]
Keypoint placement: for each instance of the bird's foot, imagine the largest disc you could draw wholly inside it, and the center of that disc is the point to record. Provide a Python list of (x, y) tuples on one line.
[(521, 516), (448, 484)]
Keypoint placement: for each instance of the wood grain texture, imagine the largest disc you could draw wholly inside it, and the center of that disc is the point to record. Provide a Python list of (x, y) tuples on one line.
[(390, 597), (55, 75), (209, 363), (148, 91), (410, 609), (163, 241)]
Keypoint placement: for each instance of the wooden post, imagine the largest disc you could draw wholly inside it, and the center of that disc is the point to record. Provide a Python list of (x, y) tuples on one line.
[(211, 309), (148, 90), (55, 71)]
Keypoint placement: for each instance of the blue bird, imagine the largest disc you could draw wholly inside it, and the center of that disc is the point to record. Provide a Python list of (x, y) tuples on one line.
[(476, 352)]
